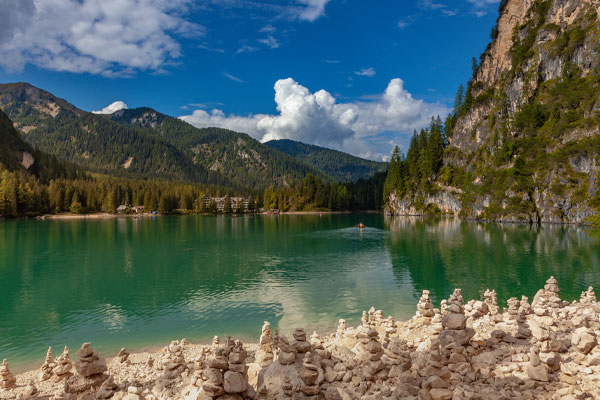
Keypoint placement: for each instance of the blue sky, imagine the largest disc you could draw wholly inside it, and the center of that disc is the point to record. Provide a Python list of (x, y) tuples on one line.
[(353, 75)]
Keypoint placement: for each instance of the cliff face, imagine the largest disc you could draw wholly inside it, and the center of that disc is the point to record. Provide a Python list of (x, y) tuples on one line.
[(525, 144)]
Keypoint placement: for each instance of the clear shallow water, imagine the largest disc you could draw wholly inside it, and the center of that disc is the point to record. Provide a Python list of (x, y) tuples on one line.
[(143, 282)]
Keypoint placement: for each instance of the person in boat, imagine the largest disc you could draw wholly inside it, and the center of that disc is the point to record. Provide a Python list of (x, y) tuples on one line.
[(360, 225)]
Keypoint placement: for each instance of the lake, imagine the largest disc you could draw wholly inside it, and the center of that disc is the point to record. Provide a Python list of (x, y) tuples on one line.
[(141, 282)]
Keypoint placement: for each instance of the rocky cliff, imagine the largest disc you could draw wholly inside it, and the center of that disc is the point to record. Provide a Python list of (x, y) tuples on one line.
[(524, 142)]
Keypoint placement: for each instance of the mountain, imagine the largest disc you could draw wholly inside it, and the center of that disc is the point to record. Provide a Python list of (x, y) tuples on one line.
[(92, 141), (342, 167), (524, 139), (14, 152), (236, 156), (17, 155)]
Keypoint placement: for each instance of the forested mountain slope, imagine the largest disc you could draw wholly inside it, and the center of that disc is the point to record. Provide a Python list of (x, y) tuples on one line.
[(93, 141), (340, 166), (523, 141), (236, 156)]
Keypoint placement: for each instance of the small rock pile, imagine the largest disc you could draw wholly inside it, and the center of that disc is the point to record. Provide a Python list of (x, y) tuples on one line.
[(123, 356), (588, 297), (214, 373), (287, 352), (173, 361), (491, 299), (546, 300), (236, 377), (424, 306), (89, 364), (7, 379), (107, 389), (47, 367), (300, 343), (63, 366), (310, 376), (265, 354)]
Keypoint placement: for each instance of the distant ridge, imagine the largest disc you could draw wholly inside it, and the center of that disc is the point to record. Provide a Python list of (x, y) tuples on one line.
[(340, 166)]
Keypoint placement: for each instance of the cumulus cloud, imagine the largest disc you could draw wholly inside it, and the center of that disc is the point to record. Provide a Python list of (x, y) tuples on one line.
[(111, 108), (109, 37), (362, 128)]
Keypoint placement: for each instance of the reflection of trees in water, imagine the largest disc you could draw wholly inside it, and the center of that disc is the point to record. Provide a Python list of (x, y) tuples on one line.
[(442, 254)]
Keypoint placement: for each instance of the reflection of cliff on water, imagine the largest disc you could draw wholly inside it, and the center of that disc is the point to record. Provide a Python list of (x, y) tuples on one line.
[(445, 253)]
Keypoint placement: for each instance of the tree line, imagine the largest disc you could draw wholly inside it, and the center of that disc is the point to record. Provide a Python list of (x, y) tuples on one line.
[(424, 159), (314, 194), (22, 194)]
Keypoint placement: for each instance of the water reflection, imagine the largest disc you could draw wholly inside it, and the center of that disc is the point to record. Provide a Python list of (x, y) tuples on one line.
[(140, 282), (514, 259)]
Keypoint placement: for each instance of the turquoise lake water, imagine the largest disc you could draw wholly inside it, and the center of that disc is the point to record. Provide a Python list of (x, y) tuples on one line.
[(141, 282)]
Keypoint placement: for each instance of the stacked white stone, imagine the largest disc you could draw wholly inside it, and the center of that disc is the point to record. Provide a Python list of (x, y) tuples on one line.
[(7, 379)]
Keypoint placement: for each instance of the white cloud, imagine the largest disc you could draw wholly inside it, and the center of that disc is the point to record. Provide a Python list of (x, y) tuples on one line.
[(267, 29), (114, 107), (233, 78), (370, 72), (109, 37), (310, 10), (362, 127), (269, 41)]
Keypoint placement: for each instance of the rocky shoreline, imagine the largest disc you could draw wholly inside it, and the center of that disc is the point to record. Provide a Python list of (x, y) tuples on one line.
[(546, 349)]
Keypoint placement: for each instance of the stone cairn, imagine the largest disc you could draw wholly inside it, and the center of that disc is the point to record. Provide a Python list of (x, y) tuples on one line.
[(513, 308), (424, 306), (378, 318), (173, 361), (287, 352), (491, 299), (524, 306), (107, 389), (300, 343), (371, 317), (364, 320), (215, 341), (397, 356), (546, 300), (341, 328), (214, 373), (123, 356), (47, 367), (310, 376), (375, 352), (476, 309), (90, 364), (455, 336), (30, 390), (588, 296), (7, 379), (276, 342), (535, 369), (62, 366), (264, 355), (287, 386), (227, 371), (236, 378), (454, 322), (199, 364), (316, 344)]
